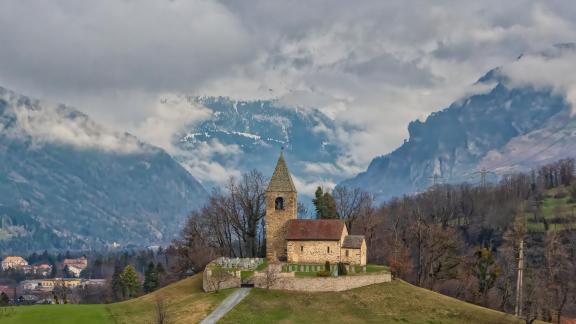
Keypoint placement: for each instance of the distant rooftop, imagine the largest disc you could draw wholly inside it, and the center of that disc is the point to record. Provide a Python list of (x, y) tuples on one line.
[(315, 229)]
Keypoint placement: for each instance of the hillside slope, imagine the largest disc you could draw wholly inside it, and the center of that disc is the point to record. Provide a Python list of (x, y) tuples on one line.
[(187, 303), (69, 183), (395, 302)]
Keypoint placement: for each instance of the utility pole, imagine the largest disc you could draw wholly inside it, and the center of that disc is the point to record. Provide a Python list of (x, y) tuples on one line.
[(483, 179), (435, 179), (519, 282)]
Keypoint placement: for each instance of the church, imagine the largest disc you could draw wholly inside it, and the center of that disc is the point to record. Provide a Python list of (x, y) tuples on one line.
[(304, 241)]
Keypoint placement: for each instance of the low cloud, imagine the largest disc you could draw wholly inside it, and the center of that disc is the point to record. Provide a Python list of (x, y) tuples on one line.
[(553, 69), (168, 118), (43, 123), (372, 66), (202, 162)]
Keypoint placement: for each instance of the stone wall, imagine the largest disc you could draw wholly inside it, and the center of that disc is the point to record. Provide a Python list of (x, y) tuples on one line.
[(287, 281), (276, 223), (354, 256), (313, 251), (222, 280)]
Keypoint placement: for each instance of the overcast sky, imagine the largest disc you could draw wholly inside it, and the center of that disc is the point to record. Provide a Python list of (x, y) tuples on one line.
[(372, 64)]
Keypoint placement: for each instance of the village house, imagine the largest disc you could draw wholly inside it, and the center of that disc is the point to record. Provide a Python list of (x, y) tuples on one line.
[(50, 284), (305, 240), (14, 262), (75, 266)]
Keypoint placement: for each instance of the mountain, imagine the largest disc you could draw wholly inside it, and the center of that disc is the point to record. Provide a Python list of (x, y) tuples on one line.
[(513, 127), (68, 183), (244, 135)]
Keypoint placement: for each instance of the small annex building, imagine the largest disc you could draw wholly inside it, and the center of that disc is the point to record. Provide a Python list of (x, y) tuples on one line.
[(317, 241), (305, 240)]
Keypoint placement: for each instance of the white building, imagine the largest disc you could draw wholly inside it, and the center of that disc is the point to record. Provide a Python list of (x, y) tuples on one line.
[(14, 262)]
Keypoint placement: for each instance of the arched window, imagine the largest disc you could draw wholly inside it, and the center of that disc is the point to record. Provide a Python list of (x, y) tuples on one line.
[(279, 203), (328, 249)]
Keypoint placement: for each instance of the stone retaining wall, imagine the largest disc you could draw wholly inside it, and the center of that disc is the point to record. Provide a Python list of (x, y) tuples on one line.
[(222, 281), (287, 281)]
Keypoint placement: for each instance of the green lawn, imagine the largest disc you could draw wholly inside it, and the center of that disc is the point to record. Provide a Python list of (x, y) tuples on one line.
[(185, 301), (245, 274), (559, 213), (395, 302), (57, 314)]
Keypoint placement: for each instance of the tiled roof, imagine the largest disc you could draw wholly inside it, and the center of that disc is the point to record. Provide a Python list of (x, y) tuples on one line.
[(312, 230), (353, 241), (281, 180), (14, 259)]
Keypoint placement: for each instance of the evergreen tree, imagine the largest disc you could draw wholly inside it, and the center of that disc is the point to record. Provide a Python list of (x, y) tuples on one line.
[(151, 281), (54, 271), (486, 271), (117, 286), (4, 300), (130, 282), (318, 202), (324, 204), (329, 207)]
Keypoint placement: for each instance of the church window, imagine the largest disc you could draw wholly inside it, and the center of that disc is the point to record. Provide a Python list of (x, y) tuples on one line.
[(301, 248), (346, 252), (328, 249), (279, 203)]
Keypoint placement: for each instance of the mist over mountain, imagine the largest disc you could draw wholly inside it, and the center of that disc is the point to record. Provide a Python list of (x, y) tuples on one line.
[(240, 136), (524, 120), (68, 183)]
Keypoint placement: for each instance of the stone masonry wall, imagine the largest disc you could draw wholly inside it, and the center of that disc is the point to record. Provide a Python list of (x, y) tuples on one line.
[(287, 281), (230, 280), (276, 223), (354, 256), (313, 251)]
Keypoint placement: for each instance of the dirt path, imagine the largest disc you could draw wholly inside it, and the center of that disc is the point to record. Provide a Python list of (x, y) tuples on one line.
[(228, 303)]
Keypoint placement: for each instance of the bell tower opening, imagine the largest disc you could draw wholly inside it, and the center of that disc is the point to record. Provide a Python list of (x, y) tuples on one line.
[(279, 203)]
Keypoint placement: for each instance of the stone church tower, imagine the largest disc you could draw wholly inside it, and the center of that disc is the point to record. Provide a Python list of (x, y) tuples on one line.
[(281, 206)]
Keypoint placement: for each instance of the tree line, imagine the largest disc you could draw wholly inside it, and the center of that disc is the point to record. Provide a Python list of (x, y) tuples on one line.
[(461, 240)]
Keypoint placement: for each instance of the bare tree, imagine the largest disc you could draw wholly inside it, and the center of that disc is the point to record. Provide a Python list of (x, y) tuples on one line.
[(160, 310), (351, 204), (271, 275)]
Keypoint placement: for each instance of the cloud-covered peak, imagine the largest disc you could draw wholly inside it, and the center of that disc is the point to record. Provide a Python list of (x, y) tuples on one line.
[(40, 123)]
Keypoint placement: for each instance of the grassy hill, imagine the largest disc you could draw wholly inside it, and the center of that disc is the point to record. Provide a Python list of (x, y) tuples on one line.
[(558, 212), (396, 302), (185, 301)]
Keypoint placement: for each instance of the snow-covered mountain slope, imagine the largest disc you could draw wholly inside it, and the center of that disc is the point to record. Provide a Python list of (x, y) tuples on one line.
[(243, 135), (515, 126), (68, 183)]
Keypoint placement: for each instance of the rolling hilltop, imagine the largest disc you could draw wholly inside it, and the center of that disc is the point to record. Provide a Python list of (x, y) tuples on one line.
[(186, 303)]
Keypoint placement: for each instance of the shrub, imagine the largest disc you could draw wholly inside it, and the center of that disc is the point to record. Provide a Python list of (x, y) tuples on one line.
[(342, 269), (560, 195), (323, 273)]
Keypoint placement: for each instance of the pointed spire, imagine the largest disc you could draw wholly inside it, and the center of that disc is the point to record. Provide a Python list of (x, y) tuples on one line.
[(281, 180)]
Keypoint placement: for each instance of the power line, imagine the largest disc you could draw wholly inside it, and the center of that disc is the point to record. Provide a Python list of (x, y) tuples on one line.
[(436, 179), (483, 176)]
